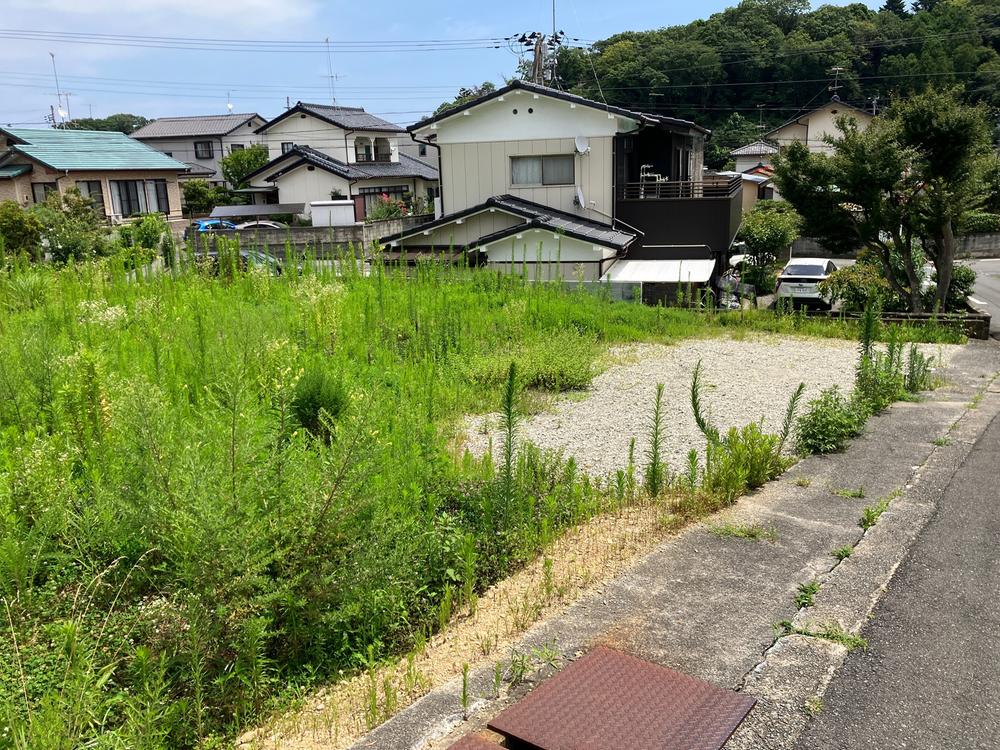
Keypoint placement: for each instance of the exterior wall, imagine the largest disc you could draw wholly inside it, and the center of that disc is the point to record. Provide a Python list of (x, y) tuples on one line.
[(476, 146), (183, 149), (305, 130), (544, 256), (303, 185), (65, 181), (473, 172), (816, 125), (17, 189), (470, 230)]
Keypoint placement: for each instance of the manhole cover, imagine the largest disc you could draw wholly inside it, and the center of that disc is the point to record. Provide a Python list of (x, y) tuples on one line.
[(608, 700), (474, 742)]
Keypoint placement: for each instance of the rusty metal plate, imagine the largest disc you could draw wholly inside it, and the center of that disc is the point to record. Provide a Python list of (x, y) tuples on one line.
[(608, 700), (474, 742)]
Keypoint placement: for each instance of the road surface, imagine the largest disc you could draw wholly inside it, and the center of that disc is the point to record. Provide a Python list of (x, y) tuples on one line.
[(986, 293), (929, 677)]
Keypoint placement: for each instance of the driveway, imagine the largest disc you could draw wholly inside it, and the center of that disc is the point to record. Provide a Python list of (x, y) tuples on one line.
[(929, 676)]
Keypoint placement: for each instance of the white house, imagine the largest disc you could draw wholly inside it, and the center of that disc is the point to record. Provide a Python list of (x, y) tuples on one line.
[(754, 155), (202, 140), (532, 176), (322, 151), (813, 127)]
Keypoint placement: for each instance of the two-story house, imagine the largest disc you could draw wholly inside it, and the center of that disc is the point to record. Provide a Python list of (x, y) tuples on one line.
[(319, 152), (538, 179), (813, 127), (122, 177), (201, 141)]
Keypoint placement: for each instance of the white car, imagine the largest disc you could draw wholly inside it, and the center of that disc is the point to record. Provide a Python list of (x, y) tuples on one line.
[(262, 225), (800, 278)]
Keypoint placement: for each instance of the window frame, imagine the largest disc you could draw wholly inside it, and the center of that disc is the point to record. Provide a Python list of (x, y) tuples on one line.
[(46, 187), (542, 158), (236, 147), (96, 197), (287, 146), (200, 150)]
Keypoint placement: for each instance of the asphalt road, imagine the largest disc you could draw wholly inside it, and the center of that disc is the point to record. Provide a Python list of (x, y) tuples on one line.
[(986, 293), (930, 676)]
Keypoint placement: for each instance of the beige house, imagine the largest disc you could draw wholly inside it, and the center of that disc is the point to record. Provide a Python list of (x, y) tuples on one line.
[(547, 183), (319, 152), (813, 127), (201, 141), (122, 176)]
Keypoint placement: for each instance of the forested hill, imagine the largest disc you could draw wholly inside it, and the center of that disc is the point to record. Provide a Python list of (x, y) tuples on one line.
[(771, 57)]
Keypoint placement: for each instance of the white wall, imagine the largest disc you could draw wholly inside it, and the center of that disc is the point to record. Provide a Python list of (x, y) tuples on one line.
[(303, 185), (814, 126), (744, 163), (545, 255), (305, 130), (470, 229)]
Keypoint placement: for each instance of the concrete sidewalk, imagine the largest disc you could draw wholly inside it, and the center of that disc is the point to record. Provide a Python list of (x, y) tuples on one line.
[(930, 674), (708, 604)]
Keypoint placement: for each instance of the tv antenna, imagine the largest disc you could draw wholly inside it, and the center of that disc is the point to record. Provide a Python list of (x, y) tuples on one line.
[(836, 85)]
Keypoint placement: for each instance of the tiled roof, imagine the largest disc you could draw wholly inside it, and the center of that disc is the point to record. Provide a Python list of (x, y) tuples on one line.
[(89, 149), (180, 127), (535, 215), (13, 170), (348, 118), (407, 166), (757, 148)]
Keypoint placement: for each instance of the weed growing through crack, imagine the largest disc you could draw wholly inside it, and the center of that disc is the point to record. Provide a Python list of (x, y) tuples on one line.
[(803, 482), (814, 705), (871, 514), (849, 493), (465, 691), (842, 553), (753, 531), (828, 631), (940, 442), (806, 595)]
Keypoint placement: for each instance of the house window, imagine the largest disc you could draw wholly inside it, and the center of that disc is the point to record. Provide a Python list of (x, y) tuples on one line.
[(92, 189), (542, 170), (286, 146), (373, 194), (40, 190), (362, 149), (235, 147), (383, 151), (203, 150), (134, 197), (422, 149)]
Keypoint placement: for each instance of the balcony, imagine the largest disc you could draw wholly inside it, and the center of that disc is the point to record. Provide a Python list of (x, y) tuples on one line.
[(675, 216)]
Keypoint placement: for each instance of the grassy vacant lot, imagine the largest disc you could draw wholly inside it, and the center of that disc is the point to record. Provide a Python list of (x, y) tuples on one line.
[(218, 489)]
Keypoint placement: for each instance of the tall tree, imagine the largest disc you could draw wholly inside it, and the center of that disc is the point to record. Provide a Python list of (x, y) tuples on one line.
[(122, 122), (898, 7), (898, 189), (467, 94)]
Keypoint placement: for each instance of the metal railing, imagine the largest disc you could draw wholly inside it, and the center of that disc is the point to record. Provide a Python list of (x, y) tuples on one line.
[(665, 189)]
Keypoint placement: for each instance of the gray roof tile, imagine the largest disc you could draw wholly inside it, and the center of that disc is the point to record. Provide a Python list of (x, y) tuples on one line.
[(182, 127)]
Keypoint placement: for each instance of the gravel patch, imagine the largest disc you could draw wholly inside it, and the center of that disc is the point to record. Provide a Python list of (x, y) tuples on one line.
[(747, 380)]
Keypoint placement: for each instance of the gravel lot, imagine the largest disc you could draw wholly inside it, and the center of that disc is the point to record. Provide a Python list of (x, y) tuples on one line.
[(746, 380)]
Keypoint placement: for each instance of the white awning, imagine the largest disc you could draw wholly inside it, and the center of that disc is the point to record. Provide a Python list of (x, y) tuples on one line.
[(661, 271)]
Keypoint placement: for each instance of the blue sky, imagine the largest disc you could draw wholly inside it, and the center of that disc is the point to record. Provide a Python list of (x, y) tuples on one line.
[(401, 86)]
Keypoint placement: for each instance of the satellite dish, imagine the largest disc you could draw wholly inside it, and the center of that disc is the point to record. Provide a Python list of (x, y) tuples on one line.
[(578, 199), (582, 144)]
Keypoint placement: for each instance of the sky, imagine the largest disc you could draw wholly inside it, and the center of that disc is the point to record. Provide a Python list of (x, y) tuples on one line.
[(397, 59)]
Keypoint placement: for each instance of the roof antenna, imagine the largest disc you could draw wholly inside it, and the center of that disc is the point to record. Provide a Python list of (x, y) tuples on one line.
[(329, 69), (836, 85), (64, 113), (229, 102)]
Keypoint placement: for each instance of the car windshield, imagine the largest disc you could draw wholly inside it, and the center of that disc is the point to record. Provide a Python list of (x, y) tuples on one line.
[(804, 270)]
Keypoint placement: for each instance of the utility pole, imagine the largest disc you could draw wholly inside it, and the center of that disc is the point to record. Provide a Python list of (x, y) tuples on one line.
[(55, 74), (543, 50), (875, 100), (836, 85)]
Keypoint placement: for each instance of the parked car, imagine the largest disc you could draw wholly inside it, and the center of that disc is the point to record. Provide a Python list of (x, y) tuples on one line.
[(262, 224), (199, 226), (800, 278)]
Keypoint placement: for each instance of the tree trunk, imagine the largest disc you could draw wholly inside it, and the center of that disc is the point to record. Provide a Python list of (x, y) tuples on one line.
[(944, 262)]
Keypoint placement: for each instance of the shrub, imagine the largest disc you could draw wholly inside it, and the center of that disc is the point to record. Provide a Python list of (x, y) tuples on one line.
[(977, 222), (963, 279), (829, 422), (387, 208), (20, 230), (201, 198), (319, 399), (857, 287), (71, 227), (768, 231)]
